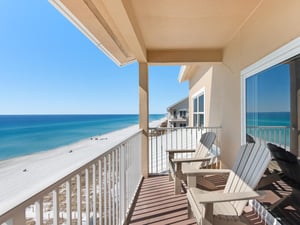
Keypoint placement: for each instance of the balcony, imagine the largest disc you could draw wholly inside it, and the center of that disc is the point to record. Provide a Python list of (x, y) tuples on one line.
[(110, 188)]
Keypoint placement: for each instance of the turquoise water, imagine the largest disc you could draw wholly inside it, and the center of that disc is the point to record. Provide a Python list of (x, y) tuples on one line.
[(27, 134), (268, 119)]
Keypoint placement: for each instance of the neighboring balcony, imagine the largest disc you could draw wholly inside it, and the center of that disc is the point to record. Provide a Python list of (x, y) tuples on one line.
[(175, 121), (105, 189)]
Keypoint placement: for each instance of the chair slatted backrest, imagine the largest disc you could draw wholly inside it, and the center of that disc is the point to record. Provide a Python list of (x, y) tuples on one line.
[(206, 141), (249, 167)]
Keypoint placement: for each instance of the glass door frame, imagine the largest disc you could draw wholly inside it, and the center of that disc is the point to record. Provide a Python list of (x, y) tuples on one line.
[(283, 53)]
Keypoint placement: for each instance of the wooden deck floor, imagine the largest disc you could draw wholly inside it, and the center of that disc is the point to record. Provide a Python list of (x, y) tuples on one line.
[(158, 205)]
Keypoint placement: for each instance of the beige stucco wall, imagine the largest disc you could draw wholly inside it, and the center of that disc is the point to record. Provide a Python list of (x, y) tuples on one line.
[(201, 80), (273, 24), (221, 102)]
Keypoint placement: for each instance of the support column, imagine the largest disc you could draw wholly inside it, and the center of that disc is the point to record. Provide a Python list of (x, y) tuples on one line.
[(144, 115), (295, 106)]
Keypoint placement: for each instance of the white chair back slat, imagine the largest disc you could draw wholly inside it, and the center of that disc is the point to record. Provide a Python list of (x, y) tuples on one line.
[(202, 150), (246, 172), (248, 169), (237, 169)]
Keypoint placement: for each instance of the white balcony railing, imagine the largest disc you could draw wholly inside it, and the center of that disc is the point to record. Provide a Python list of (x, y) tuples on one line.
[(161, 139), (275, 134), (100, 192)]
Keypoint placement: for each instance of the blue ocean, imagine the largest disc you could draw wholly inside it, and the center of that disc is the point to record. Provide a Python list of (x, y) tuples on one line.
[(26, 134), (268, 119)]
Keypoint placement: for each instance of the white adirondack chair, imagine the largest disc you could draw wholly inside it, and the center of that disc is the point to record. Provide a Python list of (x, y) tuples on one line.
[(202, 159), (226, 207)]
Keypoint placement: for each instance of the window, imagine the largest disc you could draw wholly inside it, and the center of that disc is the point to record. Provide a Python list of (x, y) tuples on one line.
[(198, 111), (256, 106), (268, 97), (182, 114), (268, 104)]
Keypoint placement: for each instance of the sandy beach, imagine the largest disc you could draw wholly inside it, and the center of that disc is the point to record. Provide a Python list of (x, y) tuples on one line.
[(22, 177)]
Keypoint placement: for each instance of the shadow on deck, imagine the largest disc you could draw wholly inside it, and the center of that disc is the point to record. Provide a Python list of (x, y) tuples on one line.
[(157, 204), (282, 198)]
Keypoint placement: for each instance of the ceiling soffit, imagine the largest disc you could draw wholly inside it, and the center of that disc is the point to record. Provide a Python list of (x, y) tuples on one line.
[(190, 24), (159, 31)]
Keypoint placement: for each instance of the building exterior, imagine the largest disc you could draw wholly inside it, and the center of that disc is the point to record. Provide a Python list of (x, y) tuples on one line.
[(220, 44), (178, 114)]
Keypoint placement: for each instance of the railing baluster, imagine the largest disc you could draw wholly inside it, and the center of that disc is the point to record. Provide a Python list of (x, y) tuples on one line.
[(156, 153), (122, 185), (161, 151), (151, 152), (105, 190), (100, 182), (176, 139), (113, 188), (79, 199), (117, 185), (39, 212), (68, 202), (109, 188), (285, 137), (55, 206), (94, 194), (87, 196)]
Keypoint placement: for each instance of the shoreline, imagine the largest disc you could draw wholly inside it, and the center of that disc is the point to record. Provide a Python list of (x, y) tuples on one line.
[(27, 175), (154, 123)]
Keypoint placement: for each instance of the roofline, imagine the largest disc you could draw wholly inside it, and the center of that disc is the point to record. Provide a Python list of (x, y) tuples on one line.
[(181, 73), (186, 98), (186, 71), (68, 14)]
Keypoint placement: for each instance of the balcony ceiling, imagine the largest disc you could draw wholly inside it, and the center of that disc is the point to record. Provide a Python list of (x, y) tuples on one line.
[(159, 31)]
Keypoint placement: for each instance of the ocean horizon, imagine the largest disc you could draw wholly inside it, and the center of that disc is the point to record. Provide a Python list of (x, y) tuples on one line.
[(22, 135), (268, 119)]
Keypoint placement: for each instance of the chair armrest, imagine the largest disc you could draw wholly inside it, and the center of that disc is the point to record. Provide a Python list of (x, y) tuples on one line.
[(212, 197), (203, 172), (181, 150), (183, 160)]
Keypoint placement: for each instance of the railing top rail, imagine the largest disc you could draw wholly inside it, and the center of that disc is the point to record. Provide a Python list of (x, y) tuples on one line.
[(172, 128), (257, 127)]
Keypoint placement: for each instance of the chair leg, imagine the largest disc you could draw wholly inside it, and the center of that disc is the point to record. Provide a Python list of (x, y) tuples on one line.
[(177, 185), (190, 212), (170, 176), (171, 168), (209, 212), (178, 176)]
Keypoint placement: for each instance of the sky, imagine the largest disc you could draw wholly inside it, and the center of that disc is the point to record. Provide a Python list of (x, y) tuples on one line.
[(269, 90), (47, 66)]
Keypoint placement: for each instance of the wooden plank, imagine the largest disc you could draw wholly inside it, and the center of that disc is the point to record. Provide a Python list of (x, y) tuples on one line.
[(203, 172), (214, 197), (180, 150), (186, 160)]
